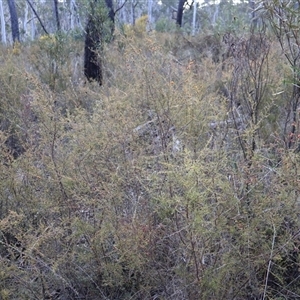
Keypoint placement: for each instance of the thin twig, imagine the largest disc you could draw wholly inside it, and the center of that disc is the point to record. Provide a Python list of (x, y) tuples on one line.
[(270, 262)]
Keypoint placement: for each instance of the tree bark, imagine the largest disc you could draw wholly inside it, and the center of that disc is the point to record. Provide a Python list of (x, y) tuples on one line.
[(56, 15), (3, 31), (180, 12), (25, 21), (111, 13), (14, 21), (93, 44), (72, 13), (32, 26), (194, 18), (132, 8), (150, 4), (92, 62), (74, 18), (111, 16), (253, 14)]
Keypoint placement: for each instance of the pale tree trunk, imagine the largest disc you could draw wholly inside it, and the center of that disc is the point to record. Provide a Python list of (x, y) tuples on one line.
[(30, 21), (3, 31), (216, 14), (194, 18), (72, 14), (126, 14), (132, 7), (25, 21), (64, 18), (122, 16), (37, 16), (74, 19), (32, 26), (149, 23), (14, 21), (120, 10)]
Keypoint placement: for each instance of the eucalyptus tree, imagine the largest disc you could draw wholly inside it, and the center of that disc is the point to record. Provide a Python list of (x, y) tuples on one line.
[(14, 20), (180, 12), (3, 30), (55, 2)]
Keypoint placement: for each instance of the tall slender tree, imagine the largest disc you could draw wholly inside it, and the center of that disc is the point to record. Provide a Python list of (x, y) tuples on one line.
[(14, 21), (3, 31), (92, 62), (72, 14), (180, 12), (32, 26), (150, 5), (111, 13), (194, 18), (55, 2)]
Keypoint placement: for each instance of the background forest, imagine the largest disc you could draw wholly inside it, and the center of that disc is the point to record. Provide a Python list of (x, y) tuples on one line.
[(177, 178)]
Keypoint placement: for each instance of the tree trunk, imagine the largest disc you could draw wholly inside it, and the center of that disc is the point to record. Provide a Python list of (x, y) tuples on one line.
[(72, 14), (14, 21), (92, 62), (252, 13), (32, 26), (56, 15), (93, 43), (150, 4), (111, 16), (132, 9), (111, 13), (216, 14), (25, 19), (180, 12), (74, 18), (3, 31), (194, 18)]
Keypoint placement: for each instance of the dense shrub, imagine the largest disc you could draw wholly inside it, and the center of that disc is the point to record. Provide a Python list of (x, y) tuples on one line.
[(161, 184)]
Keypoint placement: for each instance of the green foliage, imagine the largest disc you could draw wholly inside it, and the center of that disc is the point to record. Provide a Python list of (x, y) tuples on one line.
[(51, 57), (77, 34), (98, 12), (165, 25)]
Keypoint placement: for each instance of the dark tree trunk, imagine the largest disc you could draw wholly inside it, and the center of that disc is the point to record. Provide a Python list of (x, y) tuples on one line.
[(56, 15), (93, 43), (180, 12), (92, 62), (111, 13), (111, 16), (14, 21)]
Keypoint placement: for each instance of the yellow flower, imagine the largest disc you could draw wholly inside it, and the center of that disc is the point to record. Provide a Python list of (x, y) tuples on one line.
[(16, 48)]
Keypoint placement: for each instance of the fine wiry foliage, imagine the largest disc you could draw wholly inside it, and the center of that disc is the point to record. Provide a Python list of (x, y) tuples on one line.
[(171, 181)]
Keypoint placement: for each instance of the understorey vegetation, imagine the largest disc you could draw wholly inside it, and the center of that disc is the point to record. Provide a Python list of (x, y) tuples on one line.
[(176, 179)]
